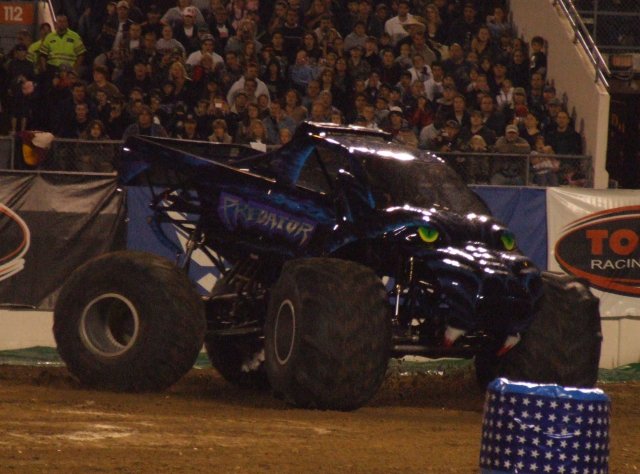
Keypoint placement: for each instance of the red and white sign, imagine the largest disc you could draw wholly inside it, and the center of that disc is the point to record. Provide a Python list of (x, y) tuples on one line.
[(16, 13), (595, 235)]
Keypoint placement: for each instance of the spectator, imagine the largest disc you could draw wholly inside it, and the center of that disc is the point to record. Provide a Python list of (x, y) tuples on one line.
[(491, 117), (277, 120), (221, 28), (311, 47), (293, 106), (459, 111), (116, 28), (498, 76), (448, 139), (518, 69), (394, 121), (359, 68), (457, 66), (183, 90), (357, 37), (498, 24), (246, 33), (95, 158), (118, 121), (186, 32), (421, 115), (175, 15), (207, 47), (251, 113), (278, 17), (285, 136), (544, 167), (477, 169), (76, 127), (378, 20), (433, 87), (292, 33), (511, 143), (220, 132), (428, 135), (538, 61), (563, 138), (33, 51), (167, 44), (251, 72), (153, 24), (101, 83), (536, 89), (477, 128), (190, 129), (62, 47), (257, 136), (301, 72), (482, 44), (529, 129), (394, 27), (435, 30), (464, 28), (145, 125), (420, 46), (550, 115)]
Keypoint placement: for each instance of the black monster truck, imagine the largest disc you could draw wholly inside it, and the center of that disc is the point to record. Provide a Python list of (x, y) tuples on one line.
[(335, 252)]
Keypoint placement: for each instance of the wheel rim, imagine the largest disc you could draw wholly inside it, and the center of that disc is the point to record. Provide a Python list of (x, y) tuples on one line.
[(110, 325), (285, 332)]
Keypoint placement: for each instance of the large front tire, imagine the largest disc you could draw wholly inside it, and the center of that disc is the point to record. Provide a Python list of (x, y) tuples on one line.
[(327, 334), (562, 345), (129, 321)]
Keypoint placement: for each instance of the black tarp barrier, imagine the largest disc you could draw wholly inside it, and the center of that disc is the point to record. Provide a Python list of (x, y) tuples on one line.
[(50, 224)]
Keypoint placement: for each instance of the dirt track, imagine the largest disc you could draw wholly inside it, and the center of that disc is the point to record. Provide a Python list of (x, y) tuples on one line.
[(416, 423)]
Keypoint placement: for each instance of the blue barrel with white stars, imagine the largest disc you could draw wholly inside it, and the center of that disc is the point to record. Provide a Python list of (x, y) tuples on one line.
[(538, 429)]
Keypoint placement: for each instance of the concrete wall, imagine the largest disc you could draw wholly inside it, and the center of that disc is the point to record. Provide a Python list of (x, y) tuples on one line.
[(572, 73)]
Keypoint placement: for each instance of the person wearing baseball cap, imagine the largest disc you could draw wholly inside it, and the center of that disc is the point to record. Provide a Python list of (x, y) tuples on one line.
[(175, 15), (511, 143)]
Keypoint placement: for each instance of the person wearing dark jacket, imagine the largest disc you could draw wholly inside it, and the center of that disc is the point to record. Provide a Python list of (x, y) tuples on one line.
[(564, 139)]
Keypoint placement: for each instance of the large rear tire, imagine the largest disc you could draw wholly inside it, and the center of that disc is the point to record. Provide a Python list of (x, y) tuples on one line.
[(562, 346), (129, 321), (327, 334)]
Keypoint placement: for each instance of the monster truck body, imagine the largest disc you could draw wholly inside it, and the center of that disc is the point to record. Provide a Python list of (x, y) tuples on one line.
[(302, 237)]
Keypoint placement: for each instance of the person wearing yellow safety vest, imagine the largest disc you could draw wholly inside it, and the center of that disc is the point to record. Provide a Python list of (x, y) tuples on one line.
[(63, 46), (33, 52)]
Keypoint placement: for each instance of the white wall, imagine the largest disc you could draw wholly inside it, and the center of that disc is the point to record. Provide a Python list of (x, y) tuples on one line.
[(20, 329), (572, 73)]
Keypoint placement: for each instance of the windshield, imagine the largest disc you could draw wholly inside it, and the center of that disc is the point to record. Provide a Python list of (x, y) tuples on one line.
[(423, 182)]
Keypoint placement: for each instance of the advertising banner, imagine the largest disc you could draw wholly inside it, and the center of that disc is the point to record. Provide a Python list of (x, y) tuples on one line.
[(51, 223), (595, 235)]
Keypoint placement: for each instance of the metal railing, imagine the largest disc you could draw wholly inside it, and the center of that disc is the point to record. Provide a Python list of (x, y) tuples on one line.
[(615, 26), (533, 169), (583, 37), (91, 156)]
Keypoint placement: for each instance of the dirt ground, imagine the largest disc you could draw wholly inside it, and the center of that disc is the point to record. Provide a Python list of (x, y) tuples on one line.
[(416, 423)]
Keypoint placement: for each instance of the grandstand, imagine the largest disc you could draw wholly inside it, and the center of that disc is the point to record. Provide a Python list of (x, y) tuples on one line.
[(259, 68)]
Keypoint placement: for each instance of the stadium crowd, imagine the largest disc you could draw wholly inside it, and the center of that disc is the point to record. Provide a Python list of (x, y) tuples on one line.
[(440, 75)]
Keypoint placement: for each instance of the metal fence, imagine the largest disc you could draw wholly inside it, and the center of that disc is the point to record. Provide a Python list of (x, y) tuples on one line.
[(7, 153), (522, 170), (614, 24), (90, 156)]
